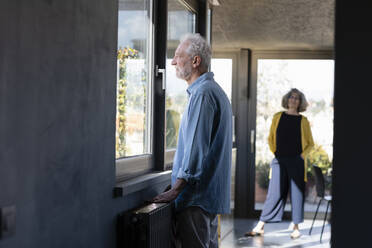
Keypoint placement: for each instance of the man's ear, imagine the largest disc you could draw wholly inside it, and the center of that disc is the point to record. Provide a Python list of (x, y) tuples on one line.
[(196, 61)]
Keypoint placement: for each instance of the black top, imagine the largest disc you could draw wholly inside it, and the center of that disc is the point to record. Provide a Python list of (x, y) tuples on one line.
[(288, 136)]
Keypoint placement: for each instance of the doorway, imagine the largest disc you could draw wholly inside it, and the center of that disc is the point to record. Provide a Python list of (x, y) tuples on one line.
[(275, 76)]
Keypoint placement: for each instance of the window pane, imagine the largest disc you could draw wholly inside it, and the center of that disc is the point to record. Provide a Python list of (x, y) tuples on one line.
[(314, 78), (222, 69), (133, 84), (180, 22)]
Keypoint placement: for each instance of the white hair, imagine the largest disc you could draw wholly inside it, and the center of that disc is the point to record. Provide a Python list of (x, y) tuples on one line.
[(198, 46)]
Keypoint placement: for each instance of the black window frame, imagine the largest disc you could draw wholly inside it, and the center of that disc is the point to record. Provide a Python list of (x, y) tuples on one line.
[(159, 160)]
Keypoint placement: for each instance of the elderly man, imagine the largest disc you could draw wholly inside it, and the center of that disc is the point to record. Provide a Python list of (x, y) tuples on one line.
[(202, 163)]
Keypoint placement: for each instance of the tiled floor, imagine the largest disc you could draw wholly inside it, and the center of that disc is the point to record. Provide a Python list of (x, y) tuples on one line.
[(276, 234)]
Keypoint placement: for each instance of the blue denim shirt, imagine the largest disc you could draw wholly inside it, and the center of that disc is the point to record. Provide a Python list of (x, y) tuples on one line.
[(203, 155)]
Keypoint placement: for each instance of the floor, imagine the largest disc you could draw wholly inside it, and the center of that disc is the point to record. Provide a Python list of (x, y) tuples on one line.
[(276, 234)]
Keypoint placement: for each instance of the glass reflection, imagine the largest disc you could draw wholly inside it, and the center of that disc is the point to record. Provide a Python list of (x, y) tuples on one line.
[(133, 79)]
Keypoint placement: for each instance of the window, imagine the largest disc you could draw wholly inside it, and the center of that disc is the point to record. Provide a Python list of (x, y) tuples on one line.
[(222, 69), (180, 21), (141, 119), (134, 80)]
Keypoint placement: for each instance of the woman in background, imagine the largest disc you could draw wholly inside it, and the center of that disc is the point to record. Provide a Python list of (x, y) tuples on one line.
[(290, 140)]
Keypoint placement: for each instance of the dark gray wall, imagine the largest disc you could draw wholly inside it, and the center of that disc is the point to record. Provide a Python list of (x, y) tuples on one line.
[(352, 169), (57, 110)]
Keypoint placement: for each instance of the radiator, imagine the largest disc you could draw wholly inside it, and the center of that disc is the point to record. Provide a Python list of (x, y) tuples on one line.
[(148, 226)]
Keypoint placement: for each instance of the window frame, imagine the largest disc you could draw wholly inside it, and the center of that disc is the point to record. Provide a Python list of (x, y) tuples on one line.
[(159, 159), (191, 5), (169, 153), (132, 166)]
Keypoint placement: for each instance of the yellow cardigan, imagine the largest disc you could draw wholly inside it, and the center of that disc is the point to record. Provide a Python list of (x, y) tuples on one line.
[(307, 141)]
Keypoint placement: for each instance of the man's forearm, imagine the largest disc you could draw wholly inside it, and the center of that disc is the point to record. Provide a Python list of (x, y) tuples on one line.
[(179, 185)]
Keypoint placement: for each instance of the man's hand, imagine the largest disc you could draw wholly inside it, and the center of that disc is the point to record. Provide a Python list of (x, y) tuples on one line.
[(167, 196), (171, 194)]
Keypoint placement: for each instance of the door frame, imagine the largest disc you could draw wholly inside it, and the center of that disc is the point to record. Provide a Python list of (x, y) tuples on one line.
[(246, 124)]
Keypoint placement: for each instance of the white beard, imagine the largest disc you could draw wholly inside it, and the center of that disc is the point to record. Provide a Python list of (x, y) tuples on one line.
[(184, 73)]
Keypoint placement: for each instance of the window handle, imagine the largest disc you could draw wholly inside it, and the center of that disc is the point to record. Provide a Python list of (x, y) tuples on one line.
[(162, 72), (252, 140), (233, 128)]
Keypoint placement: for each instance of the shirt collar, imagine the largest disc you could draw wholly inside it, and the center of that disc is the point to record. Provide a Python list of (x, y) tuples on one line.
[(193, 87)]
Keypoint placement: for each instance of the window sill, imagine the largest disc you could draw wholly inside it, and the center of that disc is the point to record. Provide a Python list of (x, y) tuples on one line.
[(141, 182)]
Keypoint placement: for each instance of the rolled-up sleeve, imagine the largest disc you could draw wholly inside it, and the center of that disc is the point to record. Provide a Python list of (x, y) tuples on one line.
[(197, 137)]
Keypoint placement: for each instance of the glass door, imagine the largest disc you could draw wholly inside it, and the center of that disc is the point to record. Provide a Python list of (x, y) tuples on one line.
[(275, 77)]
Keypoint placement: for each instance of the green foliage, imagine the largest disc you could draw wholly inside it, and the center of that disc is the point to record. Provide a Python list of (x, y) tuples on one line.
[(319, 157), (172, 124), (263, 171), (123, 54)]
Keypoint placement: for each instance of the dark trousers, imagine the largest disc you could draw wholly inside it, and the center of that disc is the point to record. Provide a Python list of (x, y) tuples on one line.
[(195, 228), (287, 176)]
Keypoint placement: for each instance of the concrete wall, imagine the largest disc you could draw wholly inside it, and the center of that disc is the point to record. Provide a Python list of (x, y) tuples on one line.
[(274, 25), (57, 110)]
